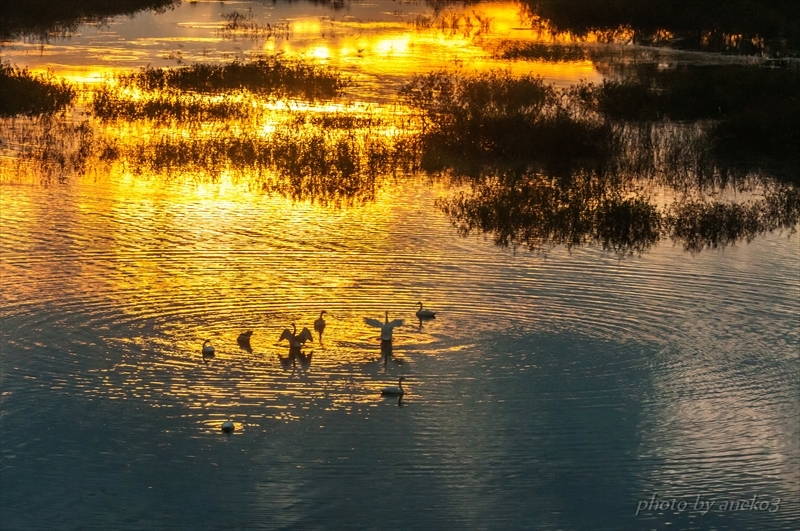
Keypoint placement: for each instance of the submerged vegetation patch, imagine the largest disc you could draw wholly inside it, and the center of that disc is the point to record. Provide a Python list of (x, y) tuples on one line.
[(29, 94)]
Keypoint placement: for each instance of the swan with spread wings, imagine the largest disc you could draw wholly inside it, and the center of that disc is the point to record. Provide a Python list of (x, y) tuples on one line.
[(386, 328), (296, 340)]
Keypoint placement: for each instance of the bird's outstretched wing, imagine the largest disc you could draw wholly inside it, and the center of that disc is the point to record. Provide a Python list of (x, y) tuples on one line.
[(396, 322), (373, 322), (305, 335)]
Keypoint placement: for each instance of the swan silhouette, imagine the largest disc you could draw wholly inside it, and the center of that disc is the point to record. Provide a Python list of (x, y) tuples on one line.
[(319, 324), (208, 349), (296, 340), (393, 390), (386, 328), (244, 340), (425, 314)]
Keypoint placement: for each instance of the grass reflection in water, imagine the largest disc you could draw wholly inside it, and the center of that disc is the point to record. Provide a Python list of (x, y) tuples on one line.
[(545, 166)]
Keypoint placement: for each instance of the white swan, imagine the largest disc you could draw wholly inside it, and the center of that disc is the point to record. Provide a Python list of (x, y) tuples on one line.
[(425, 314), (227, 427), (386, 328), (319, 325), (394, 390), (208, 348), (296, 340)]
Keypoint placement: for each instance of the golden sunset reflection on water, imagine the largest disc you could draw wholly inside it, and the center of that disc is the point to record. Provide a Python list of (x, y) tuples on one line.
[(381, 47), (128, 242)]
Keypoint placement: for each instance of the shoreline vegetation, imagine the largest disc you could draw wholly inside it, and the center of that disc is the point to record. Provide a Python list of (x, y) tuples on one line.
[(41, 20), (537, 165), (23, 93), (768, 28)]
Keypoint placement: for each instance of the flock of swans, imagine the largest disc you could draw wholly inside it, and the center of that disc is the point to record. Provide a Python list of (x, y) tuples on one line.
[(298, 340)]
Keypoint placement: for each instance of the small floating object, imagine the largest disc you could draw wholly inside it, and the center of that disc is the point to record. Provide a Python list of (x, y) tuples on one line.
[(227, 427), (394, 390), (208, 348), (425, 313)]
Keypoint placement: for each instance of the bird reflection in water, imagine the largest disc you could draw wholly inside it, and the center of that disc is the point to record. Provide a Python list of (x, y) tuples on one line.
[(296, 358)]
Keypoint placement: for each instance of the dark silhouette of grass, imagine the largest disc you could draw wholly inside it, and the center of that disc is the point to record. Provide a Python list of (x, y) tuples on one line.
[(266, 75), (24, 93), (40, 19), (768, 27), (497, 116), (180, 94)]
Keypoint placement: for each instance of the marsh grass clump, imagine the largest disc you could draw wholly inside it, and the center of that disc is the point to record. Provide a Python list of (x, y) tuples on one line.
[(270, 76), (497, 116), (759, 27), (23, 93)]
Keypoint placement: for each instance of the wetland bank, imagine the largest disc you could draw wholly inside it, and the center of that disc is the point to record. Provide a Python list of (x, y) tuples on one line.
[(600, 204)]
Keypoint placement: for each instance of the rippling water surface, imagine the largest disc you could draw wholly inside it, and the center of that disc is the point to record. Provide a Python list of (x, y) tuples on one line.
[(552, 391), (560, 390)]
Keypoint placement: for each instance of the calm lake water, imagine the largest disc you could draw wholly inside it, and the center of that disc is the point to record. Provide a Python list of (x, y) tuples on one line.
[(569, 389)]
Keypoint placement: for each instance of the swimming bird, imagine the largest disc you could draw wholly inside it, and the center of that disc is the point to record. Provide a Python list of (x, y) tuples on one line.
[(208, 348), (244, 340), (227, 427), (425, 314), (386, 328), (394, 390), (296, 340), (319, 324)]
